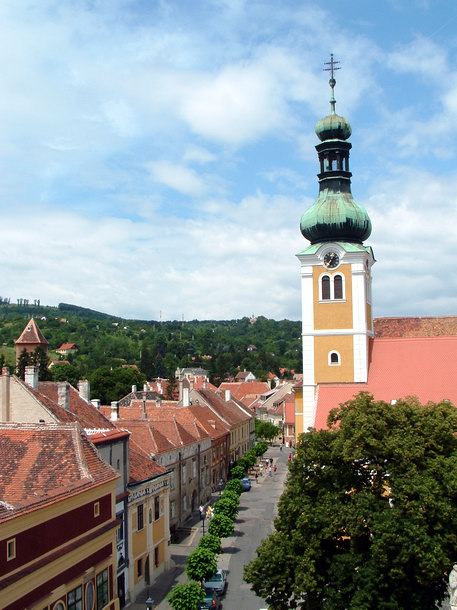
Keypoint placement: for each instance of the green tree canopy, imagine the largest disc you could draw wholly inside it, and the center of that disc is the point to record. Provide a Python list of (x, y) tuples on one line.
[(201, 563), (211, 542), (368, 519), (221, 526), (266, 430), (110, 384), (186, 596)]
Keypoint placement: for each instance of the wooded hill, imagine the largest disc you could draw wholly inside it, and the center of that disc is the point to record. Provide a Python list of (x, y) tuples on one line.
[(157, 348)]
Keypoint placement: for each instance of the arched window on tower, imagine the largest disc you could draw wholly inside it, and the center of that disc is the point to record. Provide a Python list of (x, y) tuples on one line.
[(334, 359), (337, 287), (325, 287)]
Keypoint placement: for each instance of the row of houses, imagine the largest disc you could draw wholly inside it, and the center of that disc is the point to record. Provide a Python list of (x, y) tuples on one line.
[(91, 495)]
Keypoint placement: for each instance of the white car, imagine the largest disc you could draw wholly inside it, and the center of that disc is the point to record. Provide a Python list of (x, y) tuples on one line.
[(217, 582)]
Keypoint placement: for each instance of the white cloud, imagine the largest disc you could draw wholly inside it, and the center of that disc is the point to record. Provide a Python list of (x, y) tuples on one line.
[(177, 177)]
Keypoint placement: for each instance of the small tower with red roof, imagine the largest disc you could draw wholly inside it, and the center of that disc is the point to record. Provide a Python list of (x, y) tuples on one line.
[(31, 338)]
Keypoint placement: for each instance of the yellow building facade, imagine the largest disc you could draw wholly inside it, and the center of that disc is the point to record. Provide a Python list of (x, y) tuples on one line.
[(149, 532)]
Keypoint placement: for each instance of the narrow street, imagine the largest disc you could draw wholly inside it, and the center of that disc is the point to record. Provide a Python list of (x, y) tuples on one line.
[(255, 521)]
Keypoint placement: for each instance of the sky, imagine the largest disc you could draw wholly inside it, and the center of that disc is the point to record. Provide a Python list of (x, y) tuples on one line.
[(156, 156)]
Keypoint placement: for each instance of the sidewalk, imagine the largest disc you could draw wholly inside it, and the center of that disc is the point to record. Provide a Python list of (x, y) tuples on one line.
[(179, 553)]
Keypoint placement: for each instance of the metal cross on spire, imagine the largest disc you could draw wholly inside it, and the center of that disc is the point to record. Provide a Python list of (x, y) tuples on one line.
[(333, 67)]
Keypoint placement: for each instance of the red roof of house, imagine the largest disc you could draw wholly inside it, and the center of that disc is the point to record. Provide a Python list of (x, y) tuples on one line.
[(425, 367), (229, 411), (66, 346), (31, 334), (246, 391), (87, 415), (141, 467), (42, 463)]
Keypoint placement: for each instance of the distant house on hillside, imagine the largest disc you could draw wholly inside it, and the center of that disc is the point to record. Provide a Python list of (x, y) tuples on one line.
[(245, 376), (67, 348)]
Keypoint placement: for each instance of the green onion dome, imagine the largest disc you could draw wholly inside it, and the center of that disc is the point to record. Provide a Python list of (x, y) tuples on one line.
[(333, 127), (335, 216)]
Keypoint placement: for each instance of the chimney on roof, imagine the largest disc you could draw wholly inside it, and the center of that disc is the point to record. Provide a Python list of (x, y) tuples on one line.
[(159, 387), (185, 397), (96, 403), (145, 387), (134, 388), (228, 395), (31, 376), (114, 415), (84, 389), (63, 395), (212, 423), (145, 413), (5, 415), (204, 384)]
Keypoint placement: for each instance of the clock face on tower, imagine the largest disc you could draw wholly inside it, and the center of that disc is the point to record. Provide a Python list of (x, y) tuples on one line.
[(331, 260)]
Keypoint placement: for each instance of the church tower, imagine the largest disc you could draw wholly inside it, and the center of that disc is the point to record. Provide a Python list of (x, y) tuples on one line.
[(335, 270)]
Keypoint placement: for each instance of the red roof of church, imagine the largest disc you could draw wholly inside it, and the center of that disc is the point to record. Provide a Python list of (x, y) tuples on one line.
[(425, 367), (31, 334), (428, 326)]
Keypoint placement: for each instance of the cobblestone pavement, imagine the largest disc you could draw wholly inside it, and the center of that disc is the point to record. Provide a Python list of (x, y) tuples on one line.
[(255, 521)]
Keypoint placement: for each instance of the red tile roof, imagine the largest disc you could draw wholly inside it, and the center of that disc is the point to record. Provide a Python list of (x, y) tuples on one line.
[(85, 412), (31, 334), (229, 411), (245, 390), (425, 367), (142, 467), (428, 326), (66, 346), (42, 463)]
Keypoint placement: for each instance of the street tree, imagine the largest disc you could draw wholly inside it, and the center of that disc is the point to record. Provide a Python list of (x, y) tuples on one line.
[(221, 526), (201, 564), (227, 506), (237, 472), (266, 430), (234, 485), (186, 596), (368, 519), (211, 542)]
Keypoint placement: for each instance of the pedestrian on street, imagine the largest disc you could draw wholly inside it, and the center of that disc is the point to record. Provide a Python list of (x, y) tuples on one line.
[(280, 447), (275, 468), (290, 457), (256, 478), (270, 474), (201, 509)]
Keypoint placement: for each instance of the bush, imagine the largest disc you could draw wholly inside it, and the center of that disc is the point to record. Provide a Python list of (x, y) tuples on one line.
[(211, 542), (201, 564), (186, 596), (221, 526)]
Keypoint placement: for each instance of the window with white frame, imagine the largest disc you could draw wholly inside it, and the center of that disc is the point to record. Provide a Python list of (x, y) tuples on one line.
[(332, 287), (334, 359)]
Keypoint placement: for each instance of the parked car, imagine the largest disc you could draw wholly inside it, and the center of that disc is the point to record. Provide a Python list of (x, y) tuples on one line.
[(246, 483), (212, 600), (217, 582)]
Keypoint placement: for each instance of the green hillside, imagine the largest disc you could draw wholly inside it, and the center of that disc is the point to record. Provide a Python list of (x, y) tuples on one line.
[(158, 348)]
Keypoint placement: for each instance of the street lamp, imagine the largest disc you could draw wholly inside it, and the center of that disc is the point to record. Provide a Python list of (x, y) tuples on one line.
[(149, 603)]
